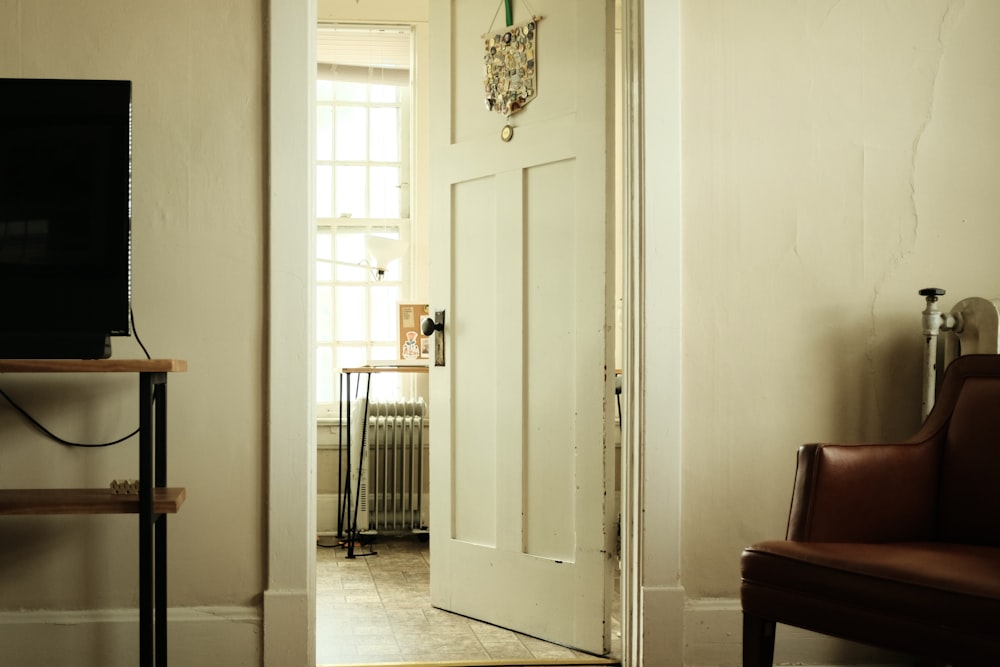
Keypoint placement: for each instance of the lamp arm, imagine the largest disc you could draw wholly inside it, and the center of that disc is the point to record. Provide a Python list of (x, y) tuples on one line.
[(377, 272)]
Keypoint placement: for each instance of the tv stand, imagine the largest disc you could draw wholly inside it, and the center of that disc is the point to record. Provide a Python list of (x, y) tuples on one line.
[(153, 502)]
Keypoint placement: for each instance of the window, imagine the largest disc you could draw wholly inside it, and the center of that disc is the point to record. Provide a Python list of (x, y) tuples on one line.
[(362, 191)]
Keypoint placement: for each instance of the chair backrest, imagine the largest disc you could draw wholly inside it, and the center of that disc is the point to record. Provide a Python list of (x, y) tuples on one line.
[(966, 417), (969, 491)]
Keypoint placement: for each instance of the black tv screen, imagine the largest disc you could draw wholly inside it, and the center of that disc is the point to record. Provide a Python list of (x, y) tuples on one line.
[(65, 216)]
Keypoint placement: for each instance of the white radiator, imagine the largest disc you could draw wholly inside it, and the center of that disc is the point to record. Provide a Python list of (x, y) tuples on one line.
[(976, 328), (972, 327), (391, 465)]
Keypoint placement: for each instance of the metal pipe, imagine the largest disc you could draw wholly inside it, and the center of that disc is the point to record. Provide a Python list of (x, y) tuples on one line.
[(934, 322)]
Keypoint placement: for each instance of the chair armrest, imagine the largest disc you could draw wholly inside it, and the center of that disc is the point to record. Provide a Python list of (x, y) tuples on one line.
[(865, 493)]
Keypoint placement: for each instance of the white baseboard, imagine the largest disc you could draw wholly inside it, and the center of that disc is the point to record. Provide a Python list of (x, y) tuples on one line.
[(288, 641), (714, 637), (210, 636), (326, 513), (661, 626)]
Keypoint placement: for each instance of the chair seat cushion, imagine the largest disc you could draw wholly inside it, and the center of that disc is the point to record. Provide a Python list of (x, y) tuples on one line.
[(919, 594)]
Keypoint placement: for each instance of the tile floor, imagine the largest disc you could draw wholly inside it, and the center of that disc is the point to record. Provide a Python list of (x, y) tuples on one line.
[(376, 609)]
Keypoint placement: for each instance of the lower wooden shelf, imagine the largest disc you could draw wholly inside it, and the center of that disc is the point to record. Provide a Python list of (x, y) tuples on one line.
[(85, 501)]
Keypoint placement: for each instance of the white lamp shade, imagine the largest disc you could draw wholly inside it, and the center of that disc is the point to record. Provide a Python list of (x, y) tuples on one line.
[(382, 251)]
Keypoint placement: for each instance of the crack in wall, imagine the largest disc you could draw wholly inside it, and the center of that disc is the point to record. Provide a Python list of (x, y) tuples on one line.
[(946, 23), (908, 229)]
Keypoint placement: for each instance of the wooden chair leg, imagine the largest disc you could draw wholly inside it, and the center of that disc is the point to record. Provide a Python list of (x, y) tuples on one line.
[(758, 641)]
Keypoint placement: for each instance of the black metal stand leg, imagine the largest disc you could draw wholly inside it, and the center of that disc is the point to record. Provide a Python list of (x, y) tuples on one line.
[(352, 529), (161, 591), (340, 461), (152, 528), (145, 520), (347, 475), (160, 574)]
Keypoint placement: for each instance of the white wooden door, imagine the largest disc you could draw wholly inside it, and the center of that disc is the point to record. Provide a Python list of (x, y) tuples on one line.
[(521, 261)]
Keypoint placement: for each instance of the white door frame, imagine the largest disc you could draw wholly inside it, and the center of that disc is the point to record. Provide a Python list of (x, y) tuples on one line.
[(289, 606), (653, 610), (653, 604)]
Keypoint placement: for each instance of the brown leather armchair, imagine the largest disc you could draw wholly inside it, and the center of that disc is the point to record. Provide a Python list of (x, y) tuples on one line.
[(893, 545)]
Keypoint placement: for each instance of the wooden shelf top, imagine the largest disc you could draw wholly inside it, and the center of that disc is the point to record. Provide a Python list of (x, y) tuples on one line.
[(388, 368), (92, 365), (26, 502)]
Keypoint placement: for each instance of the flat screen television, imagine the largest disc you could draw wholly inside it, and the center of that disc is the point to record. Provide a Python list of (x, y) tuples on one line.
[(65, 217)]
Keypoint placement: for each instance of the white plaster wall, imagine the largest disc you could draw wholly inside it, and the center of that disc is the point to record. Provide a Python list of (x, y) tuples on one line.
[(837, 157), (198, 294)]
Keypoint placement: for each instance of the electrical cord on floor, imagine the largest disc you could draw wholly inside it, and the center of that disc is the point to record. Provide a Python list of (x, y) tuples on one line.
[(359, 543), (69, 443)]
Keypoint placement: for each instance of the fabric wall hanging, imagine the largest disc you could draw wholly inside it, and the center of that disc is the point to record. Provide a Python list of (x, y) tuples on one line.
[(510, 65)]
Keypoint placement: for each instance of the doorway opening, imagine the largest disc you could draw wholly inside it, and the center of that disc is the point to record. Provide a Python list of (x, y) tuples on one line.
[(377, 609)]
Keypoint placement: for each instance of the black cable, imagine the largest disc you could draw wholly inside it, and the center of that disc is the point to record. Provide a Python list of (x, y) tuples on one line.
[(135, 332), (69, 443), (55, 437)]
